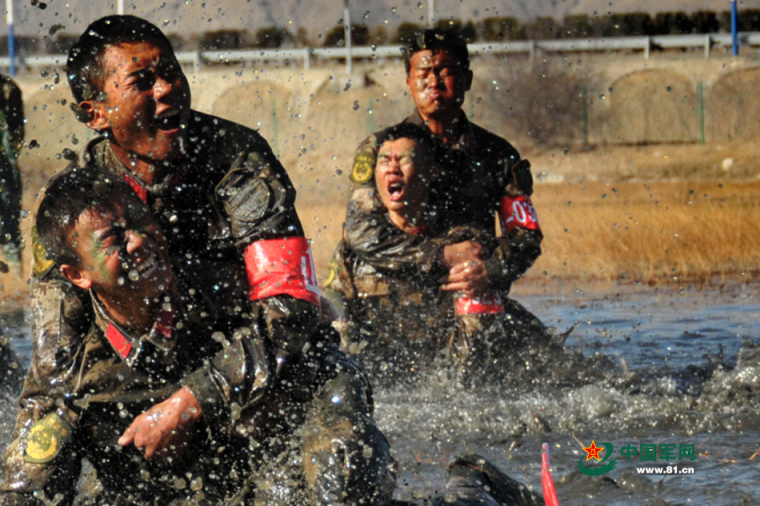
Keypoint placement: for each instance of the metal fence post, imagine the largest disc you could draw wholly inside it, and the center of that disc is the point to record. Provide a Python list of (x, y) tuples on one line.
[(734, 28), (708, 43)]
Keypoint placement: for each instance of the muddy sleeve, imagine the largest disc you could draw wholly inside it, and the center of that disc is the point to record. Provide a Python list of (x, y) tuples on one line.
[(41, 457), (520, 243), (259, 201)]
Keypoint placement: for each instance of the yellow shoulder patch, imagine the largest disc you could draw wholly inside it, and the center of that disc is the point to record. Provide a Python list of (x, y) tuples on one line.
[(46, 438), (364, 168), (42, 264)]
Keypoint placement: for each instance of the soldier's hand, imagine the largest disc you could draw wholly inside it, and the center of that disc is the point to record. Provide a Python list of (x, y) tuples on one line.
[(471, 278), (461, 252), (167, 423)]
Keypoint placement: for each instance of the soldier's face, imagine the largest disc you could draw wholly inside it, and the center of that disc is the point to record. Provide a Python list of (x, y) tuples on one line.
[(401, 175), (144, 103), (120, 254), (437, 83)]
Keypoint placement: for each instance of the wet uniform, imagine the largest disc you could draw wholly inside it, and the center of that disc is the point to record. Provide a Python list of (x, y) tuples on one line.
[(481, 175), (227, 211), (389, 281), (112, 376), (395, 323), (12, 130)]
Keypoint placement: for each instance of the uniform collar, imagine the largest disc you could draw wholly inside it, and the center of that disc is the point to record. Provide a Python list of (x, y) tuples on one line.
[(130, 346), (465, 134)]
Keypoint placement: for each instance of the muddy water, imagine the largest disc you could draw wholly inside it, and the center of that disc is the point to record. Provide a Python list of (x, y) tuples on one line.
[(640, 368)]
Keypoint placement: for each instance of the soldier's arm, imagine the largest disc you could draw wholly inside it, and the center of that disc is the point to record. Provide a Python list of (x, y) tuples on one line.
[(40, 458), (259, 201), (520, 243)]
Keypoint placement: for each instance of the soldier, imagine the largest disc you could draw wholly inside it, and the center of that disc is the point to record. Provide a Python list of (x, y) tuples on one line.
[(399, 321), (12, 128), (481, 174), (226, 206), (395, 321), (152, 337)]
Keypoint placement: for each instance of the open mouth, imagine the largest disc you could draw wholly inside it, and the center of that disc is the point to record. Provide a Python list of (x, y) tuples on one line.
[(169, 120), (148, 266), (396, 190)]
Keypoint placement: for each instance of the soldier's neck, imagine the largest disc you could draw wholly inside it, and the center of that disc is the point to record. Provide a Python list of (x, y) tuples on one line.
[(444, 125), (132, 313), (409, 219), (147, 170)]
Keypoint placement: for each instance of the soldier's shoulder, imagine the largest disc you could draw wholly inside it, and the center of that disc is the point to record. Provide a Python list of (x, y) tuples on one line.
[(363, 167), (494, 143), (213, 131)]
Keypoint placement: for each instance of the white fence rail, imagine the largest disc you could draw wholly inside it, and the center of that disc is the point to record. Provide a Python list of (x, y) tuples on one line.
[(307, 55)]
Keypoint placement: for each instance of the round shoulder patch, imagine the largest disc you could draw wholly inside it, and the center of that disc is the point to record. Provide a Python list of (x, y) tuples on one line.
[(42, 264), (364, 168), (46, 438)]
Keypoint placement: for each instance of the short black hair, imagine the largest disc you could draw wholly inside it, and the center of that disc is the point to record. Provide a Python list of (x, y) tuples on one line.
[(437, 39), (68, 196), (84, 66), (421, 135)]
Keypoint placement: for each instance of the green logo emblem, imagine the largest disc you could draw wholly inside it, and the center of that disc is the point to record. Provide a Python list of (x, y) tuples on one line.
[(593, 453)]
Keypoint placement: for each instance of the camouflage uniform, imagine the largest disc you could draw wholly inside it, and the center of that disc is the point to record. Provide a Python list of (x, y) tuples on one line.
[(478, 171), (399, 323), (225, 193), (395, 323), (390, 280), (112, 376), (12, 127)]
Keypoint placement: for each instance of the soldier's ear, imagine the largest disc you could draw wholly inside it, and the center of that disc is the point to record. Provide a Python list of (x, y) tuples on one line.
[(76, 276), (469, 80), (94, 112)]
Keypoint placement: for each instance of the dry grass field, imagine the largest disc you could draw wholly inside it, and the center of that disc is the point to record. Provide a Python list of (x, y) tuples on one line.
[(663, 214)]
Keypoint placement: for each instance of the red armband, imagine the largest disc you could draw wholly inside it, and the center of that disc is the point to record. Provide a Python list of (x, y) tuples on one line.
[(281, 267), (517, 212), (488, 304)]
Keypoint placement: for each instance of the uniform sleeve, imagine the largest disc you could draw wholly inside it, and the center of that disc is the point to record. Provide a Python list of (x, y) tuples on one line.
[(520, 244), (237, 377), (258, 199), (369, 233), (39, 459)]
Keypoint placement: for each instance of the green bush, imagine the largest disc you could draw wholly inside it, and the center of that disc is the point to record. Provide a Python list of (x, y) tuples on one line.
[(273, 38), (223, 39), (705, 22), (672, 23), (408, 31), (541, 29), (577, 26), (497, 29), (337, 36)]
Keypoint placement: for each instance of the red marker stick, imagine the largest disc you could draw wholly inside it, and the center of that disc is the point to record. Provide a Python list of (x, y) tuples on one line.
[(550, 495)]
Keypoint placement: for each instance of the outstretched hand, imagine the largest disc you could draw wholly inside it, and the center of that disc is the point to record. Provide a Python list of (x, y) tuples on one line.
[(170, 422)]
